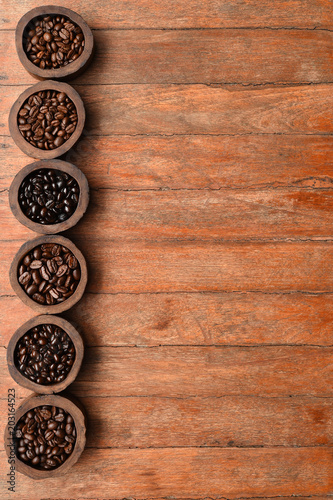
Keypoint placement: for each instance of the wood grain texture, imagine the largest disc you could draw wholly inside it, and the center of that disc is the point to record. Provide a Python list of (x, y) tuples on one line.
[(209, 372), (195, 13), (209, 215), (200, 215), (191, 319), (208, 317), (139, 266), (230, 422), (208, 266), (197, 109), (193, 162), (196, 56), (225, 422), (160, 473), (196, 371)]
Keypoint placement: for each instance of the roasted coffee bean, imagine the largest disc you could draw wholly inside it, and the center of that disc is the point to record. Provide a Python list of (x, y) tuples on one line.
[(37, 345), (43, 131), (39, 196), (45, 448), (24, 278), (52, 277), (53, 41)]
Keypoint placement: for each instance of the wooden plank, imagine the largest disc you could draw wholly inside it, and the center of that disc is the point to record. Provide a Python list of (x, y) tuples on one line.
[(201, 372), (198, 109), (139, 266), (191, 319), (233, 422), (199, 215), (193, 162), (214, 422), (206, 371), (194, 13), (196, 56), (204, 215), (178, 473), (201, 266)]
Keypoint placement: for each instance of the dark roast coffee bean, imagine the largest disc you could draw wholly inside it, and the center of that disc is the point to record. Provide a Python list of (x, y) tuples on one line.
[(53, 277), (36, 359), (44, 448), (53, 41), (46, 120), (39, 196)]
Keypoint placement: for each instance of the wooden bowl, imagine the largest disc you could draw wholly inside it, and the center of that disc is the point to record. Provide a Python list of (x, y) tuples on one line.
[(28, 148), (68, 72), (56, 308), (70, 405), (64, 166), (75, 338)]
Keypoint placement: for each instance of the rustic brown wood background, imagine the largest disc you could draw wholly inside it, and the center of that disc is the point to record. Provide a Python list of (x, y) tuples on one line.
[(209, 312)]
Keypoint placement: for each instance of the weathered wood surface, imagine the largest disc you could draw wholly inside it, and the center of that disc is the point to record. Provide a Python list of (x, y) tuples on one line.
[(229, 422), (199, 215), (193, 162), (197, 109), (136, 266), (308, 14), (191, 319), (196, 56), (176, 371), (208, 316), (160, 473)]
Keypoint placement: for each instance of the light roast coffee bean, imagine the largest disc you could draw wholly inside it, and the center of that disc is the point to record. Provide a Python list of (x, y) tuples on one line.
[(47, 119), (52, 41), (45, 437), (45, 354), (49, 196), (49, 274)]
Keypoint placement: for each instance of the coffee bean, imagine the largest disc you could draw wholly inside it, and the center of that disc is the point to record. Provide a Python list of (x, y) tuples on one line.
[(40, 193), (31, 290), (53, 41), (37, 345), (44, 273), (30, 454), (69, 429), (77, 274), (45, 448), (29, 437), (50, 122), (49, 435), (36, 264), (60, 417), (62, 270), (53, 281), (25, 278)]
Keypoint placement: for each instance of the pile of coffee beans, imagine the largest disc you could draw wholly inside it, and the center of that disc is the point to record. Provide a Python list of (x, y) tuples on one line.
[(53, 41), (49, 274), (49, 196), (47, 119), (45, 354), (45, 437)]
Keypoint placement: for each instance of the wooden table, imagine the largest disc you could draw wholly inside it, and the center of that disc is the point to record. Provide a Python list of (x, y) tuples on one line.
[(208, 316)]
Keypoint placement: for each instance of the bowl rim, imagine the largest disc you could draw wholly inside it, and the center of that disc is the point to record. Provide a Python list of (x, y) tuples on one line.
[(18, 138), (29, 245), (65, 72), (63, 166), (74, 335), (73, 408)]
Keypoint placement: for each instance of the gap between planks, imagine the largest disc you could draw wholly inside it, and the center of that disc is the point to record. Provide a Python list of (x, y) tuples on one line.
[(195, 28)]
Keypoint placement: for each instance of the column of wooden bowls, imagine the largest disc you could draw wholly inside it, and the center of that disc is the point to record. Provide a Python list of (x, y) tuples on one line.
[(35, 55)]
